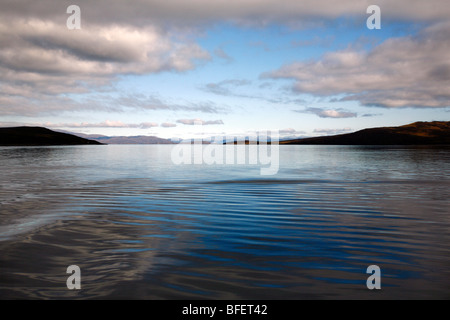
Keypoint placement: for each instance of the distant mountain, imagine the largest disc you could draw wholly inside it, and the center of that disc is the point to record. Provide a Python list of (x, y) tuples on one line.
[(122, 139), (38, 136), (83, 135), (132, 140), (418, 133)]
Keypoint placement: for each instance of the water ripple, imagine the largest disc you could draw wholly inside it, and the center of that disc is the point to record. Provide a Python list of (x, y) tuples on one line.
[(157, 235)]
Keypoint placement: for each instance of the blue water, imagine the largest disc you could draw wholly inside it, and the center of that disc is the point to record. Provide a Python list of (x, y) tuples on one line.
[(141, 227)]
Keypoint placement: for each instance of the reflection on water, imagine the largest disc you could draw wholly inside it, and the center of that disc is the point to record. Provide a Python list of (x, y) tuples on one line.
[(140, 227)]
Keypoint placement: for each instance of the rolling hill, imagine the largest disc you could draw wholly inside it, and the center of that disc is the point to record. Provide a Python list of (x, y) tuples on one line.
[(417, 133)]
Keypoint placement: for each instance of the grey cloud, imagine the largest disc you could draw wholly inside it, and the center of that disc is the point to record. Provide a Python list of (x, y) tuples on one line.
[(225, 87), (285, 100), (440, 72), (223, 55), (401, 72), (40, 60), (371, 114), (230, 88), (206, 107), (138, 12), (140, 101), (46, 47)]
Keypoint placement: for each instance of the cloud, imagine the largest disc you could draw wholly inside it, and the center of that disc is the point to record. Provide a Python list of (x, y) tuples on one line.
[(194, 12), (328, 113), (36, 103), (147, 125), (226, 87), (409, 71), (41, 60), (149, 102), (105, 124), (230, 88), (47, 48), (223, 55), (371, 114), (168, 125), (290, 133), (192, 122), (287, 131), (332, 131), (42, 63), (82, 125)]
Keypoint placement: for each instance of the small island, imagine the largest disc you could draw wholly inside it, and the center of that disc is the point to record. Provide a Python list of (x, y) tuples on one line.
[(39, 136)]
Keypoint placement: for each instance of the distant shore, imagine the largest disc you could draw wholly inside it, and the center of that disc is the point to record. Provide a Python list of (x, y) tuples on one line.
[(417, 133)]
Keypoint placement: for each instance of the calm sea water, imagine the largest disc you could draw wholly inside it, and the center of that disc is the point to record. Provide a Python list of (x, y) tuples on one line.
[(141, 227)]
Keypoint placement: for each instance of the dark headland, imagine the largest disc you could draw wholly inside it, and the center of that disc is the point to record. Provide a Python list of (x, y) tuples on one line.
[(417, 133), (38, 136)]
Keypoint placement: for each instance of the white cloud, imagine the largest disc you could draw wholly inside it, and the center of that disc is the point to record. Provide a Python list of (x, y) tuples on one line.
[(287, 131), (401, 72), (40, 60), (105, 124), (192, 122), (168, 125), (290, 132), (31, 103), (139, 12), (332, 131), (45, 48), (329, 113)]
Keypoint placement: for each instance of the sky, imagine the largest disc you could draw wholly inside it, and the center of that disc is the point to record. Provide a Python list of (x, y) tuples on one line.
[(185, 68)]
